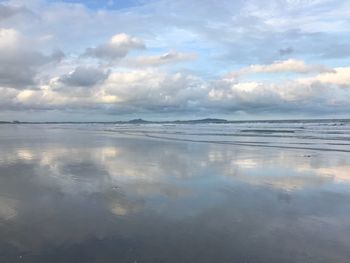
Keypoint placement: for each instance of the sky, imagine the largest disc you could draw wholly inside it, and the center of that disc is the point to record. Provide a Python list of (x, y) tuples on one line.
[(164, 59)]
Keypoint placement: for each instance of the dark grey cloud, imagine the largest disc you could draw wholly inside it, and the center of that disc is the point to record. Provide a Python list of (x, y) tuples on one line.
[(18, 68), (286, 51), (84, 77), (7, 11), (20, 61)]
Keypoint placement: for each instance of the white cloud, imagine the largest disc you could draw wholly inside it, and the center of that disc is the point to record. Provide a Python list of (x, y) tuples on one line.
[(153, 90), (340, 77), (117, 47), (322, 93), (9, 38), (284, 66)]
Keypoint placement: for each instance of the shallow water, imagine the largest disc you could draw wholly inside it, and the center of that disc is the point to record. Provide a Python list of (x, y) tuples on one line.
[(165, 193)]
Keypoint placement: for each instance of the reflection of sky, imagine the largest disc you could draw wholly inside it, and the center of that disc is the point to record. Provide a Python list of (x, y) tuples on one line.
[(68, 187)]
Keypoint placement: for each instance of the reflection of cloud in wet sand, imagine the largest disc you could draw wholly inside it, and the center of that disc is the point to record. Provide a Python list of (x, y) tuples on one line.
[(286, 174), (25, 154), (123, 208), (8, 208), (246, 163), (339, 173), (119, 164), (286, 183)]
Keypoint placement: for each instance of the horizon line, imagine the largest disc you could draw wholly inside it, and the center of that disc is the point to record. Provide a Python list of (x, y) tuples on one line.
[(144, 121)]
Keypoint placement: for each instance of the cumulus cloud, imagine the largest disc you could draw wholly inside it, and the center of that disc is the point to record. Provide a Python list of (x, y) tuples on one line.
[(324, 93), (19, 63), (339, 76), (117, 47), (136, 91), (170, 57), (284, 66), (83, 76), (154, 91)]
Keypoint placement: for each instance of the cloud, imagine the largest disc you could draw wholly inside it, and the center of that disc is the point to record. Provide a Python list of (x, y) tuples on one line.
[(152, 91), (136, 91), (8, 38), (170, 57), (284, 66), (19, 63), (7, 11), (117, 47), (324, 93), (83, 76), (339, 76), (286, 51), (310, 28)]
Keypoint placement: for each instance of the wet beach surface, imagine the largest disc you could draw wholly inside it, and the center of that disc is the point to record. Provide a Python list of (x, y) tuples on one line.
[(75, 194)]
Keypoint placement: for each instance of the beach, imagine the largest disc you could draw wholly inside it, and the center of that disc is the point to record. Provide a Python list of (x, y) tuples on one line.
[(236, 192)]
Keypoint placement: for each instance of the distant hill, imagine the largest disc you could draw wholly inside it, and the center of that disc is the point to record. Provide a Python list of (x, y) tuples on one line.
[(138, 121), (207, 120)]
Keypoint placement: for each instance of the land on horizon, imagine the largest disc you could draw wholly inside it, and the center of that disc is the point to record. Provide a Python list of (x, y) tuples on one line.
[(189, 121)]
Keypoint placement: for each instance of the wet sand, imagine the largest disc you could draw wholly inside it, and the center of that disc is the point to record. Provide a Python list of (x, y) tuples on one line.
[(80, 195)]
